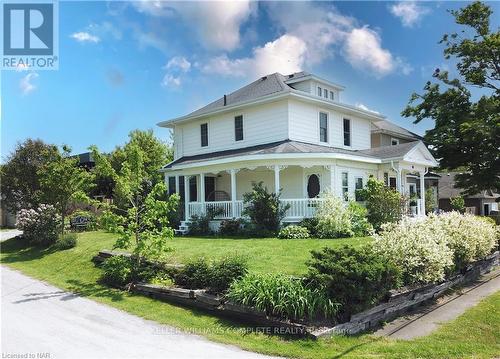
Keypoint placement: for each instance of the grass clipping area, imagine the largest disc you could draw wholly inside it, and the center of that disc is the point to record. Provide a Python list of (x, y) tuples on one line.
[(474, 334)]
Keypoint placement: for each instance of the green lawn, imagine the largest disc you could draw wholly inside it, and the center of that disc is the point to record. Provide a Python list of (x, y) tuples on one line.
[(474, 334)]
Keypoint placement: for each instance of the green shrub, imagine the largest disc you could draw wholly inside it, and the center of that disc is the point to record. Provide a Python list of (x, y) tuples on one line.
[(293, 232), (65, 241), (356, 278), (281, 296), (264, 208), (311, 224), (109, 220), (225, 271), (230, 227), (199, 225), (384, 204), (117, 271), (359, 221), (457, 204), (333, 218), (194, 275)]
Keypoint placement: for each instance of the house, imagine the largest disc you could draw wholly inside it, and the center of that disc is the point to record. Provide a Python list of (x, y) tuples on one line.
[(482, 203), (385, 133), (293, 133)]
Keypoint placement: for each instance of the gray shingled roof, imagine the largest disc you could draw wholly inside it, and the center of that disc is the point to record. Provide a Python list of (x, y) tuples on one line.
[(386, 126), (266, 85), (286, 146), (447, 188), (385, 152)]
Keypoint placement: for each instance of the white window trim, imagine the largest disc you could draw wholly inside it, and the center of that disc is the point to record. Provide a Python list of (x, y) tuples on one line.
[(319, 91), (242, 128), (208, 134), (328, 126), (396, 140), (342, 187), (306, 176), (350, 132)]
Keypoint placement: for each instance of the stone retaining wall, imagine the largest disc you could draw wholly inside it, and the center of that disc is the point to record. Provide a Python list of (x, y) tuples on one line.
[(399, 302), (402, 301)]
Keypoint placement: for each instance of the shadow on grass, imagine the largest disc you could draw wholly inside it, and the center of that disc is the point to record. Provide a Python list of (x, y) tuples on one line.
[(97, 290), (18, 249)]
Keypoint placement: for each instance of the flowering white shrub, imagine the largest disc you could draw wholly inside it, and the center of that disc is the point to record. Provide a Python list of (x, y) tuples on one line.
[(293, 232), (333, 218), (470, 237), (419, 250), (39, 225), (426, 248)]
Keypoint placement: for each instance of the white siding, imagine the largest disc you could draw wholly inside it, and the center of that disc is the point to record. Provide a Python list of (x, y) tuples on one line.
[(261, 124), (305, 86), (304, 126)]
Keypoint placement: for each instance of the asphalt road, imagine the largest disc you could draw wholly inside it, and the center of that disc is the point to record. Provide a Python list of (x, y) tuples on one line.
[(41, 320)]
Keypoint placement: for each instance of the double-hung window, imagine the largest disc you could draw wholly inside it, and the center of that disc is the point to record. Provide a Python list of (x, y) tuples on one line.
[(347, 132), (323, 127), (345, 186), (358, 184), (325, 94), (332, 96), (238, 128), (204, 134)]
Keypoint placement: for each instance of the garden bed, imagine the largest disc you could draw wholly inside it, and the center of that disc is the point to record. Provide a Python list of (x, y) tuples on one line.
[(398, 303)]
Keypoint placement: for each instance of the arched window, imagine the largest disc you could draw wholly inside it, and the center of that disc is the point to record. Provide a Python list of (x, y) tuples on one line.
[(313, 186)]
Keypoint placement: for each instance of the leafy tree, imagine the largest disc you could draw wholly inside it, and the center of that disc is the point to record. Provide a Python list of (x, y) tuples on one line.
[(264, 208), (466, 133), (383, 203), (143, 224), (62, 182), (457, 204), (20, 180), (430, 201)]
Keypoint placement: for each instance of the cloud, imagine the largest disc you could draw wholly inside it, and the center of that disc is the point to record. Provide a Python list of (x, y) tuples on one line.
[(175, 69), (363, 107), (26, 84), (363, 50), (409, 12), (215, 24), (178, 63), (285, 54), (83, 36)]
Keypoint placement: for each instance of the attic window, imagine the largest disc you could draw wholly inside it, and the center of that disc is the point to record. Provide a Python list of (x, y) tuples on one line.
[(325, 93), (332, 97), (394, 141), (320, 91)]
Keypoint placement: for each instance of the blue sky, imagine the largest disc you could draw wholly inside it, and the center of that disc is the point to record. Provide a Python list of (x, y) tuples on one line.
[(127, 65)]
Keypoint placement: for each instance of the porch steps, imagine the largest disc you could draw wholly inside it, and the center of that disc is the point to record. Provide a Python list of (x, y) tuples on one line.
[(183, 228)]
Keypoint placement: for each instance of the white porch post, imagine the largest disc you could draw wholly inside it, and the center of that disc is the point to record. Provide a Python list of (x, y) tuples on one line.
[(186, 197), (177, 184), (276, 179), (422, 193), (202, 190), (233, 192)]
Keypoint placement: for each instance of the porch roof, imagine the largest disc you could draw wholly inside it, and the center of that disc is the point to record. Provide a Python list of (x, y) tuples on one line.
[(295, 147)]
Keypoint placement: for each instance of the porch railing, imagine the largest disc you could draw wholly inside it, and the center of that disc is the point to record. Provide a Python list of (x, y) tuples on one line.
[(225, 208), (301, 207)]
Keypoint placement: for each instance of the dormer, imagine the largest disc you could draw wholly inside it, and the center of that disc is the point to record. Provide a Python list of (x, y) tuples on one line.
[(314, 85)]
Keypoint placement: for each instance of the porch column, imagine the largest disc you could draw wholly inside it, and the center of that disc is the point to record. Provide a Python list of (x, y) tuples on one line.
[(333, 179), (186, 197), (399, 181), (233, 192), (277, 179), (422, 193), (177, 184), (202, 190)]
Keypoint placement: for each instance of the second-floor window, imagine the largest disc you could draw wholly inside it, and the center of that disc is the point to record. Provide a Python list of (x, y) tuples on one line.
[(238, 128), (347, 132), (323, 127), (204, 134)]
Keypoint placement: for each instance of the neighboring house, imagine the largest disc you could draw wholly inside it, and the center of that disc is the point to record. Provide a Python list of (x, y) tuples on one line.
[(291, 132), (385, 133), (482, 203)]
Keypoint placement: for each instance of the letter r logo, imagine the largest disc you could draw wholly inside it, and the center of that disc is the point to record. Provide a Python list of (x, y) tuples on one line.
[(28, 29)]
